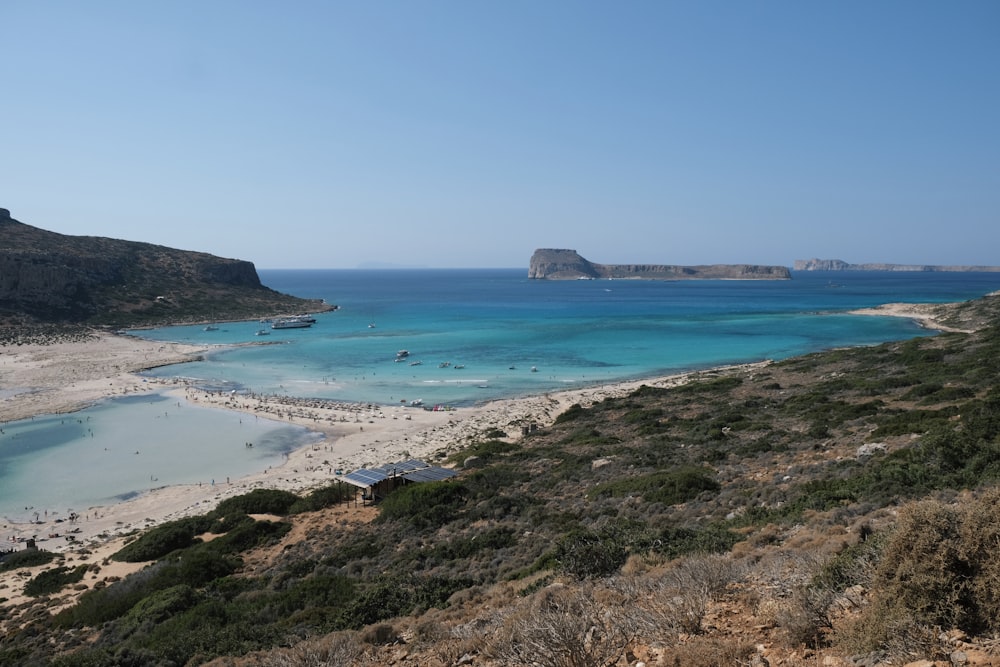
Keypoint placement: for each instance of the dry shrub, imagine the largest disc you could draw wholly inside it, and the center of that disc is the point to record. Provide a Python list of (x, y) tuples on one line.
[(340, 649), (705, 652), (979, 531), (889, 628), (757, 540), (565, 627), (921, 564), (674, 600), (938, 569), (429, 631), (637, 565), (805, 616), (379, 634)]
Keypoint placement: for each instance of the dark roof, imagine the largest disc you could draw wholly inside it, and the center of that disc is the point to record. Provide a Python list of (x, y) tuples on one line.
[(429, 474), (413, 470), (364, 478)]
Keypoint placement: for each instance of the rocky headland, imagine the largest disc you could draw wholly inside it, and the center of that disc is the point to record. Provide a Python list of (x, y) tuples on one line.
[(841, 265), (560, 264), (52, 278)]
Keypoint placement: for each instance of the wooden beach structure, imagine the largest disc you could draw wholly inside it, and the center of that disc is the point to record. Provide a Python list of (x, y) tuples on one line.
[(377, 483)]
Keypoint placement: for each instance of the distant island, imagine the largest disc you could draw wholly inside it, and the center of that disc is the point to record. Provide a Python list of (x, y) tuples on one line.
[(561, 264), (51, 278), (841, 265)]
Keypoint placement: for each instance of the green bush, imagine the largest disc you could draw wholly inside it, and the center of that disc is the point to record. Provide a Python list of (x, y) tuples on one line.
[(54, 580), (585, 554), (258, 501), (324, 497), (26, 558), (668, 487), (676, 542), (913, 421), (156, 608), (195, 567), (250, 535), (424, 505), (164, 539), (711, 386), (572, 413), (486, 450), (464, 547)]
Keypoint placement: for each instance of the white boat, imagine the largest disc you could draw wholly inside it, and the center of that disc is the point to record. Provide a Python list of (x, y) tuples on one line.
[(291, 323), (402, 355), (211, 328), (262, 332)]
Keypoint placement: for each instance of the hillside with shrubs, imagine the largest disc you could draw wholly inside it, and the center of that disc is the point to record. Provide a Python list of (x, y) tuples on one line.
[(840, 508)]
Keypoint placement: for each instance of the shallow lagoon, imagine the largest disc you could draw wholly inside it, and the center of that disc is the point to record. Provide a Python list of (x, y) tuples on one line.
[(126, 446)]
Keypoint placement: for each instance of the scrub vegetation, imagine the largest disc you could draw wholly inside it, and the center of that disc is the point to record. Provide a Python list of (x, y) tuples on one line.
[(843, 503)]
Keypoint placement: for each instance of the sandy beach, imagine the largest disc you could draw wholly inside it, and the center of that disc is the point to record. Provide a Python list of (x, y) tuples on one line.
[(925, 314), (62, 377), (66, 376)]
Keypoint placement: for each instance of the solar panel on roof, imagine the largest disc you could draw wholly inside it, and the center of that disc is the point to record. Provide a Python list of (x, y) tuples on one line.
[(430, 474), (401, 468), (412, 464), (364, 477), (413, 470)]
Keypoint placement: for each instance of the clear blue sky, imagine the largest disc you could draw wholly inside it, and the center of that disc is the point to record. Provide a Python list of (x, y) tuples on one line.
[(467, 134)]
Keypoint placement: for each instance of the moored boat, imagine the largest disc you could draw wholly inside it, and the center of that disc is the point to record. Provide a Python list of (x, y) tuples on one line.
[(292, 323)]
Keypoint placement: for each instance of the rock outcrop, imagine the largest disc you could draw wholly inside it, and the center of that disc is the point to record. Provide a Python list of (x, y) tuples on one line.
[(50, 277), (560, 264), (841, 265)]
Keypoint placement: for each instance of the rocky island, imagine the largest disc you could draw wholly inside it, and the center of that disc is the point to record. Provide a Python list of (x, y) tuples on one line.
[(560, 264), (51, 278), (841, 265)]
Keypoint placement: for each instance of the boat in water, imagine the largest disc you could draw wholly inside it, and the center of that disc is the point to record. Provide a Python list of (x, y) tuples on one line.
[(294, 322)]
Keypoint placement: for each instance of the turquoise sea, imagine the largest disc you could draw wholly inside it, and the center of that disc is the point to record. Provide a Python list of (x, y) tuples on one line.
[(497, 326), (478, 334)]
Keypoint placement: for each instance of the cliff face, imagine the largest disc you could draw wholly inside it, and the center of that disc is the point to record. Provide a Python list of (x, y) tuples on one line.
[(559, 264), (841, 265), (50, 277)]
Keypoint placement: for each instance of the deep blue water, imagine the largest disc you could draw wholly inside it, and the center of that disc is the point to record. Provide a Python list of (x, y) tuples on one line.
[(499, 325)]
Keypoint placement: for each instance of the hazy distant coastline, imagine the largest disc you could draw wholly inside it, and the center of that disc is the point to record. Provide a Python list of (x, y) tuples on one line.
[(841, 265)]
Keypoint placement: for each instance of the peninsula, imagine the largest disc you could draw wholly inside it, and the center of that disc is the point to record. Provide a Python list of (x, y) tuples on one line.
[(841, 265), (559, 264), (48, 278)]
